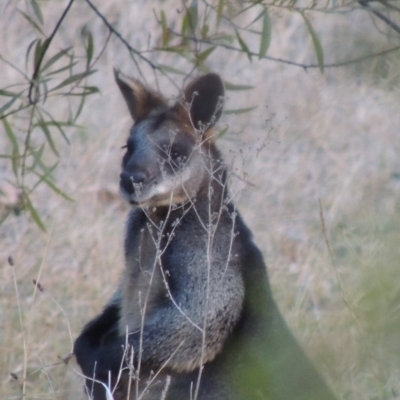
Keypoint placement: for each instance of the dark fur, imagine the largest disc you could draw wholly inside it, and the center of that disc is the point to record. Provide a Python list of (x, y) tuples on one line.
[(191, 267)]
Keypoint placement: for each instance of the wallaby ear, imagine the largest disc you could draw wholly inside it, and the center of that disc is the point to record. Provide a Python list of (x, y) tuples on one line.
[(206, 98), (139, 99)]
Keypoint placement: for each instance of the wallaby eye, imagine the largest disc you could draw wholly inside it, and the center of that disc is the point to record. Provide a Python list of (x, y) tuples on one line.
[(177, 157), (172, 153), (177, 154)]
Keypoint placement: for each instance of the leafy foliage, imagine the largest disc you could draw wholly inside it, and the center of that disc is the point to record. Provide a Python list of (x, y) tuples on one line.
[(57, 76)]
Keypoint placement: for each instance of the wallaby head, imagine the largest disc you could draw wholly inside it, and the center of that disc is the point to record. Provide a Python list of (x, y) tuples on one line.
[(167, 152)]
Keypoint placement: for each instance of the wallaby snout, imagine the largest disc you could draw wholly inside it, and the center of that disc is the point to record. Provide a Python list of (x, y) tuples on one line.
[(139, 169), (131, 181), (137, 177)]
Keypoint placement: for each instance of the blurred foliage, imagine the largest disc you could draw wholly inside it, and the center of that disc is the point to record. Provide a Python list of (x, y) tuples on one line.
[(193, 33)]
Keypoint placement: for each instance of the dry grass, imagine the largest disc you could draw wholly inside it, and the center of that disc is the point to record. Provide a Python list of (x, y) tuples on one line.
[(331, 138)]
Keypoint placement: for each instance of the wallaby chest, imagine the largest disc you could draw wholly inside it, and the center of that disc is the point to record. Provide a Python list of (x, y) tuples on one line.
[(164, 257), (142, 281)]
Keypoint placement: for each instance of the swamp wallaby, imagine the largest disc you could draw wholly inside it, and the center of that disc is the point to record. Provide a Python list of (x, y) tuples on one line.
[(193, 317)]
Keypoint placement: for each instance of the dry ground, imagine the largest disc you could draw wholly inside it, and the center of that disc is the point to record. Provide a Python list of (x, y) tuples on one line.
[(329, 141)]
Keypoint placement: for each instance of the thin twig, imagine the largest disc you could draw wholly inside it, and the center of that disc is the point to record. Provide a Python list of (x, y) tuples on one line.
[(388, 5), (121, 38), (384, 18)]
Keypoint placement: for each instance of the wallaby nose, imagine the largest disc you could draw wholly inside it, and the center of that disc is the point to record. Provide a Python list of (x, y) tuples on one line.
[(136, 176)]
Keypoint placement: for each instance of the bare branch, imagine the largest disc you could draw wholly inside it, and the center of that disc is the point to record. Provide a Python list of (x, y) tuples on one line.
[(381, 16)]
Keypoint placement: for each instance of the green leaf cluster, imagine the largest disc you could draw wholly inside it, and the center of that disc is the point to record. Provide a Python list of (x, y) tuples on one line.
[(34, 143)]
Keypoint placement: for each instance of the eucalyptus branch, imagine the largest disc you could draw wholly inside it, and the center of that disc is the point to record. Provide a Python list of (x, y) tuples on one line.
[(131, 49), (294, 63), (46, 45), (280, 6)]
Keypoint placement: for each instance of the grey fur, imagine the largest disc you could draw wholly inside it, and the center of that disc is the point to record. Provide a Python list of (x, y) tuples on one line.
[(194, 301)]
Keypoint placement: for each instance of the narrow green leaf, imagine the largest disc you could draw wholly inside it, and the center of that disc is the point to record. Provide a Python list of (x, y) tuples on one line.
[(265, 35), (46, 170), (173, 49), (53, 186), (38, 53), (185, 25), (32, 22), (28, 52), (223, 38), (220, 10), (15, 163), (222, 133), (79, 110), (15, 155), (259, 16), (72, 79), (166, 34), (10, 134), (171, 70), (204, 55), (190, 20), (233, 87), (38, 11), (55, 58), (9, 104), (243, 45), (163, 20), (87, 90), (89, 49), (317, 44), (46, 44), (34, 214), (62, 69), (43, 125), (37, 156), (204, 31), (61, 123), (58, 125), (45, 89), (193, 16), (238, 111), (7, 93)]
